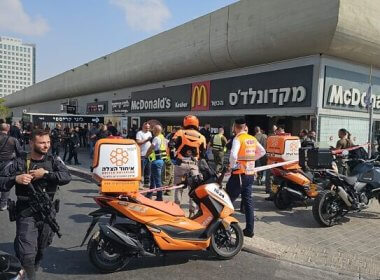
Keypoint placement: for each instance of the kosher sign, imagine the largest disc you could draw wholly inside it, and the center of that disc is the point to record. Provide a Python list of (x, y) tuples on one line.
[(167, 99), (347, 90), (66, 119), (275, 89), (121, 106)]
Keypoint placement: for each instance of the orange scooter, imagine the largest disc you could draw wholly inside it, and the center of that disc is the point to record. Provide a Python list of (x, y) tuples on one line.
[(141, 227), (289, 183)]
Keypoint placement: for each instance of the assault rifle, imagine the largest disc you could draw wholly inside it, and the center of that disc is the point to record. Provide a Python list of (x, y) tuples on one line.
[(41, 204)]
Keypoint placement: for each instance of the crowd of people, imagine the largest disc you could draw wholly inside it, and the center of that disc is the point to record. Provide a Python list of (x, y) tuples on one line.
[(165, 159)]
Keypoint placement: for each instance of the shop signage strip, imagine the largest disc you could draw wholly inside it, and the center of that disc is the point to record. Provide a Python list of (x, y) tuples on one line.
[(67, 119), (346, 90), (286, 88)]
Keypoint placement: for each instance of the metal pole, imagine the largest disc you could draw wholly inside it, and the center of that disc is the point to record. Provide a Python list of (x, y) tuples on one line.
[(370, 109)]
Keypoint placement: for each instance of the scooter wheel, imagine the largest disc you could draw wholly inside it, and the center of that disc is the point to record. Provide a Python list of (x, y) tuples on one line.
[(227, 243), (281, 200), (104, 255)]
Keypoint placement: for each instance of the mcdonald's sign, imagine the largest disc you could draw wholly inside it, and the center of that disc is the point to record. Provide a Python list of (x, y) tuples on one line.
[(200, 96)]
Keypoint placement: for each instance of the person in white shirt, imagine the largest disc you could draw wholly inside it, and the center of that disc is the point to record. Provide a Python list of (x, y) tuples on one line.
[(143, 139), (158, 157), (244, 152)]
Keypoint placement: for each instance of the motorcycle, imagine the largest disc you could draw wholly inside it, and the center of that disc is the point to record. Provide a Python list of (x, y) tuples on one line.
[(348, 194), (141, 227), (10, 268)]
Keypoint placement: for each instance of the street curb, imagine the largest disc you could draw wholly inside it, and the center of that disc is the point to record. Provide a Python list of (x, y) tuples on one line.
[(81, 173)]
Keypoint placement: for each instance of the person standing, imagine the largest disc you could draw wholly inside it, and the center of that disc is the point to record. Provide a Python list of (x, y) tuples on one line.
[(9, 149), (74, 144), (46, 172), (15, 132), (103, 132), (85, 132), (158, 158), (56, 136), (262, 139), (206, 132), (344, 142), (93, 138), (66, 142), (143, 139), (218, 146), (245, 151), (190, 146)]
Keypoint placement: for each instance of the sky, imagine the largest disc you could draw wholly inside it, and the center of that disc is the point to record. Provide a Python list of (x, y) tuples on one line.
[(69, 33)]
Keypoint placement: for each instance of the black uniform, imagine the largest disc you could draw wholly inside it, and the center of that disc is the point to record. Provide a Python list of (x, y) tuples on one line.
[(32, 235), (74, 144), (56, 136)]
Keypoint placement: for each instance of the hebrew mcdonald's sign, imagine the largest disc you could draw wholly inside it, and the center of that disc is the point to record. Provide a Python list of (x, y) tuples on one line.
[(200, 96)]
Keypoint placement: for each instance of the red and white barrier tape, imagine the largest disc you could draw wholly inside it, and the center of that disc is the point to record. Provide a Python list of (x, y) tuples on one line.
[(339, 151), (256, 169)]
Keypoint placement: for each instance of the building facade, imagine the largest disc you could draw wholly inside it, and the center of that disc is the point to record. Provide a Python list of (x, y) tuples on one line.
[(306, 66), (17, 65)]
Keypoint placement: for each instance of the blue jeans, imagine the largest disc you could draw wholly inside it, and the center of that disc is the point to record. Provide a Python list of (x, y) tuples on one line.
[(235, 188), (92, 147), (145, 171), (156, 177)]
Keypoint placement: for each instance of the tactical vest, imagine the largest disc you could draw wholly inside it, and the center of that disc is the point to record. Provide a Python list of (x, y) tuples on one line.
[(48, 164), (161, 153), (190, 140), (246, 154)]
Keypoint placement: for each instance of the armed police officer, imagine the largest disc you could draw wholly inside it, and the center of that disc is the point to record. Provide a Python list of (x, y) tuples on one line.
[(190, 146), (244, 152), (46, 173)]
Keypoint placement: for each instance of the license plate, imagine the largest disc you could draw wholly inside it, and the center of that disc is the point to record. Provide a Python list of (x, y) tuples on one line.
[(275, 188)]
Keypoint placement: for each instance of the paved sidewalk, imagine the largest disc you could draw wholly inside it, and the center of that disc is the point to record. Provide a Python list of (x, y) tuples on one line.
[(352, 246)]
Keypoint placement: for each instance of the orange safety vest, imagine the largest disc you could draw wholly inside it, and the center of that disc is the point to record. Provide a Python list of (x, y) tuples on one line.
[(191, 139), (246, 155)]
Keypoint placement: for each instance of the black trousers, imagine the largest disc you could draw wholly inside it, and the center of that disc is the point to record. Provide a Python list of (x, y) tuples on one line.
[(73, 153), (55, 148), (32, 238)]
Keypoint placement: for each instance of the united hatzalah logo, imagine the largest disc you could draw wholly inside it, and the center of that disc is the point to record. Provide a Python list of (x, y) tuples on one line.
[(119, 157)]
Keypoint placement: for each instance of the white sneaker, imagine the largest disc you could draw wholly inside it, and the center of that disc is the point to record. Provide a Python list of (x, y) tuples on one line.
[(3, 208)]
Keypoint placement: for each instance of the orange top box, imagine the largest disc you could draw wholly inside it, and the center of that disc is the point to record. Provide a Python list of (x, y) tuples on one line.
[(282, 148), (117, 165)]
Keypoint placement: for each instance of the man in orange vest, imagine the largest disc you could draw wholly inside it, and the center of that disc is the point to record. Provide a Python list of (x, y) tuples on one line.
[(190, 146), (244, 152)]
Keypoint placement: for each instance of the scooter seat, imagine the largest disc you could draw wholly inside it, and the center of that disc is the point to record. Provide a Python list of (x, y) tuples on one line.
[(168, 207)]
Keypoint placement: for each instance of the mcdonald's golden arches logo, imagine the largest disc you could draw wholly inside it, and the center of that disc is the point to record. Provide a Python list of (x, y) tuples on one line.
[(200, 96)]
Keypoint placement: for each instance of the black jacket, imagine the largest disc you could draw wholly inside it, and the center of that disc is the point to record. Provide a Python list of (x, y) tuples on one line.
[(58, 175)]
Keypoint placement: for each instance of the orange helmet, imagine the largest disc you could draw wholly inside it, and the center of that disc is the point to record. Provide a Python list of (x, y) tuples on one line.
[(191, 120)]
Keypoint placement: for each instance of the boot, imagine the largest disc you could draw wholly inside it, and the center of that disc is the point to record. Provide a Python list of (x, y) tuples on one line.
[(30, 272)]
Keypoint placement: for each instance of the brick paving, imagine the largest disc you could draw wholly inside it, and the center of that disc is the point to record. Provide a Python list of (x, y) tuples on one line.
[(352, 246)]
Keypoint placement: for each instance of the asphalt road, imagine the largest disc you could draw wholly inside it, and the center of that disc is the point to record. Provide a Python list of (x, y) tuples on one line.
[(66, 260)]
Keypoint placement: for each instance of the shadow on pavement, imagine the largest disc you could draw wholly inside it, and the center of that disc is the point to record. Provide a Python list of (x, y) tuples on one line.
[(85, 191), (77, 179), (79, 264), (81, 218)]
